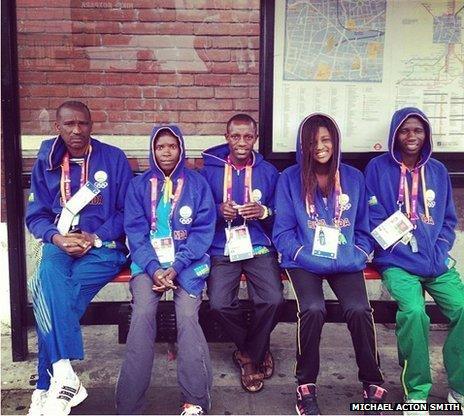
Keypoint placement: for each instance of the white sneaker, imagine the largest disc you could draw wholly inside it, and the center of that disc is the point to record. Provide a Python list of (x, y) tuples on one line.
[(62, 395), (191, 409), (37, 402), (413, 412), (455, 397)]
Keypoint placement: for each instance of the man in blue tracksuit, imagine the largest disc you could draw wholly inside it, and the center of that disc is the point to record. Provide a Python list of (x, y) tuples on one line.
[(243, 189), (408, 179), (169, 220), (76, 265)]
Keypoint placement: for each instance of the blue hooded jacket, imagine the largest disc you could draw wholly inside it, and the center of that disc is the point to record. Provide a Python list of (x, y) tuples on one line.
[(192, 221), (103, 215), (264, 179), (436, 237), (293, 233)]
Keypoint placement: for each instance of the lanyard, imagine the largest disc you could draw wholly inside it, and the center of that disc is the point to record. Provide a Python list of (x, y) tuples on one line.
[(338, 208), (65, 182), (167, 195), (227, 188), (410, 201)]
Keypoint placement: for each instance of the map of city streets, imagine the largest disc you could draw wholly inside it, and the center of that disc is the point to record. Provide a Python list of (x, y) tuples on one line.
[(334, 40)]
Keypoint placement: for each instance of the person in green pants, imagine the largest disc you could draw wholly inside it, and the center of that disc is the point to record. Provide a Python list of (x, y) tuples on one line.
[(408, 180)]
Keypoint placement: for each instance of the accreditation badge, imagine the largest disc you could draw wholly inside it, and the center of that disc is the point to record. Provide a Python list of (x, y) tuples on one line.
[(325, 242), (394, 228), (164, 249), (238, 243)]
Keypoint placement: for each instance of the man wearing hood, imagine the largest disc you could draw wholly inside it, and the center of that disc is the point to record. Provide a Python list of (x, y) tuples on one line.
[(243, 190), (408, 180), (169, 221), (78, 257)]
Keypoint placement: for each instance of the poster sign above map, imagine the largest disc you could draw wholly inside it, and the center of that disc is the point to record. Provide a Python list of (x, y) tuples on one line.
[(360, 60)]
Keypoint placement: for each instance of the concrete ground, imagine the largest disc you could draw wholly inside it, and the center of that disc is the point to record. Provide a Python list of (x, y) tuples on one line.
[(338, 385)]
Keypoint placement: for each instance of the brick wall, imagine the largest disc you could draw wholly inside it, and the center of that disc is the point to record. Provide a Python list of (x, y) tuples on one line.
[(136, 62)]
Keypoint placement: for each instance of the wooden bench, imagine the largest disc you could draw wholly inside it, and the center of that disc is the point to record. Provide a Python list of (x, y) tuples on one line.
[(384, 312)]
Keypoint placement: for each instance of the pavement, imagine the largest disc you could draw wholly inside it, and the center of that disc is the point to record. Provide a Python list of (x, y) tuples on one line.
[(338, 386)]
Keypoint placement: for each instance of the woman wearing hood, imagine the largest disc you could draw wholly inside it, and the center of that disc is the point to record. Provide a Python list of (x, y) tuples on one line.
[(407, 181), (169, 222), (321, 231)]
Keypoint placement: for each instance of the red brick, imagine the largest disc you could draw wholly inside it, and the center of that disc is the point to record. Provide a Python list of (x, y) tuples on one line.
[(141, 104), (214, 55), (67, 78), (246, 105), (48, 90), (253, 92), (79, 91), (48, 14), (245, 79), (204, 116), (177, 104), (99, 116), (232, 29), (119, 15), (157, 15), (161, 117), (196, 92), (140, 79), (106, 104), (32, 77), (109, 40), (148, 4), (234, 42), (95, 27), (175, 79), (87, 39), (147, 55), (224, 67), (122, 116), (212, 79), (214, 104), (230, 92), (32, 103), (123, 91), (103, 78)]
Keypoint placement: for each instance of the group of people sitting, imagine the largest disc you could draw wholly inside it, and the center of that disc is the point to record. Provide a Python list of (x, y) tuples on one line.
[(318, 220)]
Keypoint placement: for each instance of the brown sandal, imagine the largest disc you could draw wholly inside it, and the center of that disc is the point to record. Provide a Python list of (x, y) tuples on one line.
[(251, 383), (267, 365)]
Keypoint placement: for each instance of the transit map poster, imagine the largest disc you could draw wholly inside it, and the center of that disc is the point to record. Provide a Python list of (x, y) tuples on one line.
[(360, 60)]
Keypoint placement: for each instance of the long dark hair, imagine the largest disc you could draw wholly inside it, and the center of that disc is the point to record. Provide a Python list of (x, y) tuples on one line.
[(308, 165)]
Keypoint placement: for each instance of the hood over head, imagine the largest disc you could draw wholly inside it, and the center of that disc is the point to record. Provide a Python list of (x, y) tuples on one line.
[(312, 118), (156, 131), (397, 120), (217, 156)]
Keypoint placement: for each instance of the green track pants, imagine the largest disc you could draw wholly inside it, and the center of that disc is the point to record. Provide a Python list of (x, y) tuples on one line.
[(412, 328)]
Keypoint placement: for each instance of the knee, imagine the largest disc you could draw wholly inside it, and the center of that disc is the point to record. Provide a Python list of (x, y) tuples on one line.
[(358, 312), (313, 312), (275, 300), (218, 304), (144, 308), (413, 313)]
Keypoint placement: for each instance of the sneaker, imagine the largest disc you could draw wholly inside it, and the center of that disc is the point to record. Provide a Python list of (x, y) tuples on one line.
[(62, 395), (415, 412), (37, 401), (306, 400), (455, 397), (192, 409), (374, 394)]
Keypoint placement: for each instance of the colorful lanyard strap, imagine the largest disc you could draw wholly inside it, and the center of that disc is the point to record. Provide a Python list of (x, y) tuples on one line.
[(338, 207), (167, 196), (227, 189), (410, 201), (65, 182)]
